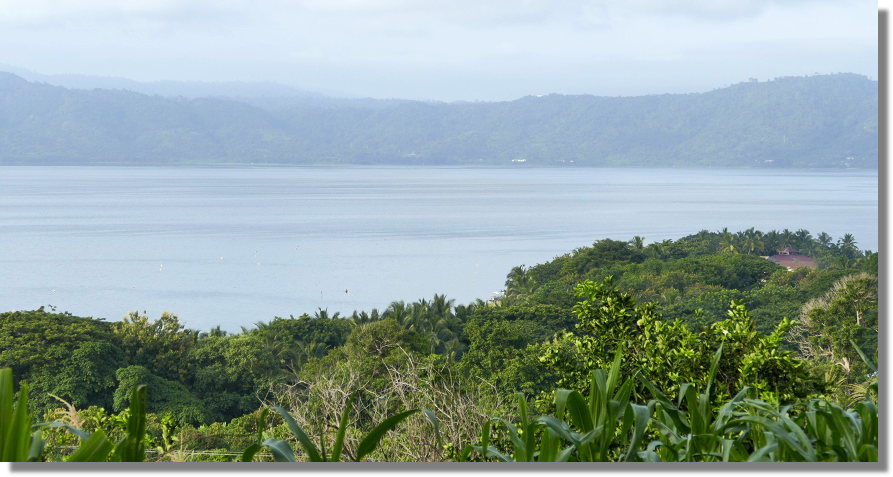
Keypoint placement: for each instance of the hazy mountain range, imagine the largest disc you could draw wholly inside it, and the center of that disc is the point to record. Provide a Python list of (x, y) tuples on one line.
[(815, 121)]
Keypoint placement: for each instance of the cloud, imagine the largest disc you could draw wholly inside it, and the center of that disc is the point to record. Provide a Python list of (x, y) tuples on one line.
[(27, 13), (443, 48), (719, 10), (467, 13)]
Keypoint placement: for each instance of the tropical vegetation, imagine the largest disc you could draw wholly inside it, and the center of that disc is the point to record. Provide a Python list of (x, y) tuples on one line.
[(697, 350)]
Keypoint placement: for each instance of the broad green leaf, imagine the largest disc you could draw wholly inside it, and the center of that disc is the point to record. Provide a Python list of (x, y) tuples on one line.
[(74, 430), (714, 366), (18, 435), (868, 362), (95, 449), (248, 453), (370, 442), (560, 428), (281, 450), (6, 414), (312, 452), (342, 430), (804, 450), (520, 449), (761, 455), (578, 410), (432, 418), (133, 448), (641, 415), (37, 445)]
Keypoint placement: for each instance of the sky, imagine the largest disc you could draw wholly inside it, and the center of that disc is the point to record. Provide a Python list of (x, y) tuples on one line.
[(446, 50)]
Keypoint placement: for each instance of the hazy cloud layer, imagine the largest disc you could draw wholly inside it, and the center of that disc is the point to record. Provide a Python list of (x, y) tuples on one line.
[(457, 49)]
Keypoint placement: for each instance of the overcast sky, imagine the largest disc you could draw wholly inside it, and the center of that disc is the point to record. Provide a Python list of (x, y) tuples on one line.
[(445, 49)]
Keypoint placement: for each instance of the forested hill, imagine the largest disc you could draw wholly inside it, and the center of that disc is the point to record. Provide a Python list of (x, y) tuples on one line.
[(816, 121)]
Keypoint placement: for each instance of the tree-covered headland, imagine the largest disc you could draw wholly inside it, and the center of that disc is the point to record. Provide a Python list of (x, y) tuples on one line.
[(696, 349)]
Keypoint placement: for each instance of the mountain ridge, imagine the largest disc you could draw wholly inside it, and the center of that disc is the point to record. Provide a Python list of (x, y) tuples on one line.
[(814, 121)]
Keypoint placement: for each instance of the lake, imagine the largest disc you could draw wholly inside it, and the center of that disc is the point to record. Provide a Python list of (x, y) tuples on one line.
[(232, 246)]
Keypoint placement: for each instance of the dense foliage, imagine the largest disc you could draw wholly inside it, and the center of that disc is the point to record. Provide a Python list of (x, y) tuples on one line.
[(748, 347), (815, 121)]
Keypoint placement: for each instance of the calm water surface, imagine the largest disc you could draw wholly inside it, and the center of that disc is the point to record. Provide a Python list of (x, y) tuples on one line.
[(233, 246)]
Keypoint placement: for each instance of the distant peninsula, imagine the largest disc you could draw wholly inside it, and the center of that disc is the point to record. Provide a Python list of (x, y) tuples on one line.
[(820, 121)]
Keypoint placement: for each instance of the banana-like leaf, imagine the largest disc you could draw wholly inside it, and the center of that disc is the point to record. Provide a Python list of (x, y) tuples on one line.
[(281, 450), (565, 454), (432, 418), (864, 357), (649, 454), (6, 412), (714, 366), (670, 410), (96, 448), (74, 430), (17, 439), (726, 411), (868, 453), (640, 415), (485, 439), (312, 452), (520, 448), (466, 452), (37, 445), (578, 409), (342, 430), (248, 453), (761, 455), (370, 442), (548, 451), (133, 447), (560, 428), (696, 418), (795, 442), (614, 373), (501, 457)]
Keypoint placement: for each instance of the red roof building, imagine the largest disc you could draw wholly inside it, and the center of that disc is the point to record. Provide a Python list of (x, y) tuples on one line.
[(791, 259)]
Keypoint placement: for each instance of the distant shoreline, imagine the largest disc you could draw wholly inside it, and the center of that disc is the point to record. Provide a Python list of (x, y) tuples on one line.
[(827, 121), (221, 165)]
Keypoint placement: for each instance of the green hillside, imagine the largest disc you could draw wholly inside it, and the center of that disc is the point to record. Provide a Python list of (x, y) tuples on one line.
[(816, 121)]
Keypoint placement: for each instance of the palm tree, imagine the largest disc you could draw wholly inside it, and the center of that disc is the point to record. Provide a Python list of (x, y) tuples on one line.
[(440, 306), (847, 241), (361, 318), (398, 311), (802, 236), (658, 249), (752, 240), (824, 240), (418, 319), (637, 242), (519, 283), (727, 241), (787, 237), (772, 241), (293, 358), (803, 241), (215, 332), (324, 314), (847, 244)]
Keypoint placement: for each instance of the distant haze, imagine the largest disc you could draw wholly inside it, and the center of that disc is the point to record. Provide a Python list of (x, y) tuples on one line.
[(810, 121), (445, 50)]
